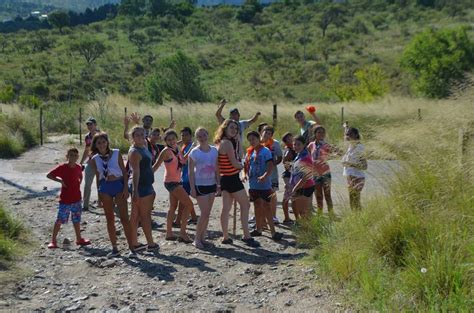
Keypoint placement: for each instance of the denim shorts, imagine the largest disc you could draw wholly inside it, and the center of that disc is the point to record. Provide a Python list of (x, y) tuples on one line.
[(111, 188), (73, 209), (323, 179)]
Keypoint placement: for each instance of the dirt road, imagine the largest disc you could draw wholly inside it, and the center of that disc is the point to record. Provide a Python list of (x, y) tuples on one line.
[(177, 278)]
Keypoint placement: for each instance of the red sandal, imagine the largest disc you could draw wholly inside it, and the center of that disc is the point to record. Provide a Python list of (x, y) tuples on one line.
[(83, 242), (52, 245)]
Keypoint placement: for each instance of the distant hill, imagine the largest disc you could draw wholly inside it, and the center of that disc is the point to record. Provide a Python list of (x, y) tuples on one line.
[(11, 8)]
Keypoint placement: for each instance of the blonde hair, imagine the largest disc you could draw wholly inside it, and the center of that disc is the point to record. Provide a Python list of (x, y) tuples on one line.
[(220, 132), (135, 129), (200, 129)]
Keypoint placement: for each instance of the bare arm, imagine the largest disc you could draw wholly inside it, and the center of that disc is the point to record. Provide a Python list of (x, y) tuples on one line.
[(134, 162), (161, 158), (270, 167), (315, 118), (254, 118), (85, 154), (56, 179), (192, 183), (125, 176), (126, 123), (220, 118)]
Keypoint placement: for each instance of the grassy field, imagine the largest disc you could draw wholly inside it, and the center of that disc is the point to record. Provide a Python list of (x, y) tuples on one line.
[(410, 250)]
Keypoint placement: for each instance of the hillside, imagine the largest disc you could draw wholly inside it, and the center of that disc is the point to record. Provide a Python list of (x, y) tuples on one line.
[(281, 52), (12, 8)]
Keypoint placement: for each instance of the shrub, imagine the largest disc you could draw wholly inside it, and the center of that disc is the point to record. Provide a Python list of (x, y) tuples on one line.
[(372, 83), (178, 77), (438, 58), (10, 231), (7, 94), (30, 101)]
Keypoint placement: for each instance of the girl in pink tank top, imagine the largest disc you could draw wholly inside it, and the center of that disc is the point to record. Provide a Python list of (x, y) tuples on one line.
[(174, 161)]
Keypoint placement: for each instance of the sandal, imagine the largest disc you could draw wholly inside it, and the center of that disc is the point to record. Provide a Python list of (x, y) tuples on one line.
[(172, 238), (52, 245), (83, 242), (288, 222), (277, 236), (153, 248), (176, 225), (184, 240), (140, 247), (255, 233), (251, 242), (227, 241)]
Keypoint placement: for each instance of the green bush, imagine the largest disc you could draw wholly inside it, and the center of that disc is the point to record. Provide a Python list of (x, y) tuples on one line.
[(7, 94), (177, 77), (30, 102), (437, 58), (10, 232)]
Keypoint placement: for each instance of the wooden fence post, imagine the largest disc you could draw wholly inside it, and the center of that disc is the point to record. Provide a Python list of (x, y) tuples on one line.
[(80, 126), (275, 115), (41, 126), (419, 114), (171, 114), (342, 115)]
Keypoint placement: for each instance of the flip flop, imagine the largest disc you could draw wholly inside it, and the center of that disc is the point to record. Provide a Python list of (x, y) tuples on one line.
[(172, 238)]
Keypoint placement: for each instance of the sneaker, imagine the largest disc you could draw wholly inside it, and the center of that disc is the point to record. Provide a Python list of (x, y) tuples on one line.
[(275, 220), (255, 233), (288, 222), (252, 220), (140, 247), (251, 242), (52, 245), (113, 254), (277, 236), (83, 242), (85, 209)]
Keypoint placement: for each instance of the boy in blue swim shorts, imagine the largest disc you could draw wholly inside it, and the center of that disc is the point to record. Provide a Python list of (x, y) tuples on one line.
[(69, 174)]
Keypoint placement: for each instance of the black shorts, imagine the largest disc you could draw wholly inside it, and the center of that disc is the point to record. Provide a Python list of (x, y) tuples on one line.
[(205, 190), (307, 192), (172, 186), (231, 183), (255, 194)]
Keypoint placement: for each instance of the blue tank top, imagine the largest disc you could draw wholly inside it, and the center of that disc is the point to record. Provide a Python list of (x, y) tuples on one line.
[(147, 176)]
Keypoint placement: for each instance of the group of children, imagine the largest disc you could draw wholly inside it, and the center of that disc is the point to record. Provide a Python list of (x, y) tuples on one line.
[(203, 171)]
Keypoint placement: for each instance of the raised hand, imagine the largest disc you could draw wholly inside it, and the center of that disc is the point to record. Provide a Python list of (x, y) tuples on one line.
[(135, 117)]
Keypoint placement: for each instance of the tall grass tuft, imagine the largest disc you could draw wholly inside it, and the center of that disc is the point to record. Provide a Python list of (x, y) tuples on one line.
[(18, 132), (11, 231), (413, 248)]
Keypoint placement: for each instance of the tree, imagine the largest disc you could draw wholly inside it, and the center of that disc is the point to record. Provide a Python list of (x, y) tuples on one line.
[(59, 19), (138, 39), (132, 7), (332, 14), (248, 11), (178, 77), (90, 48), (41, 41), (438, 58), (158, 7)]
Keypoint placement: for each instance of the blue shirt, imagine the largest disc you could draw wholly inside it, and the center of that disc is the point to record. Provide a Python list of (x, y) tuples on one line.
[(185, 174), (258, 167)]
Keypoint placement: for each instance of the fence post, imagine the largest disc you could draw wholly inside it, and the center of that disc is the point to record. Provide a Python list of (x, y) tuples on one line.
[(80, 126), (41, 126), (342, 115), (275, 115), (419, 114), (171, 114), (125, 111)]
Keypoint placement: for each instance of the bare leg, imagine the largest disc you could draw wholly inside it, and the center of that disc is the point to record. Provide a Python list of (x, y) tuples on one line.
[(266, 208), (285, 205), (205, 204), (123, 212), (146, 205), (56, 228), (108, 205), (318, 194), (243, 200), (273, 204), (327, 195), (170, 217), (182, 196), (226, 206), (134, 217), (77, 230)]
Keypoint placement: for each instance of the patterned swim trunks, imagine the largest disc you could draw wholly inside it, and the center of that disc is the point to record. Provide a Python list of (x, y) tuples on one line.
[(73, 209)]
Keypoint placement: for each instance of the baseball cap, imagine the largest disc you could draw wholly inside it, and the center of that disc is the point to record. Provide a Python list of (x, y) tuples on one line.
[(91, 120), (234, 110)]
